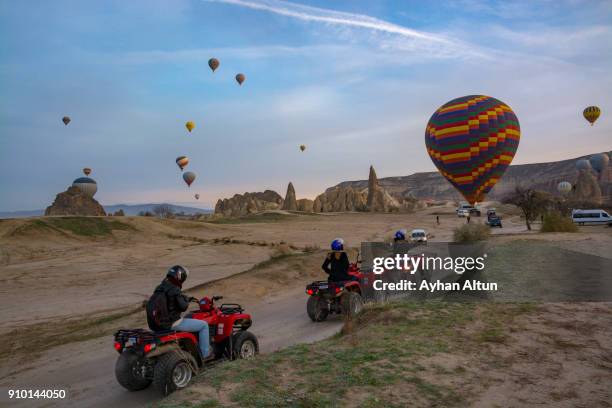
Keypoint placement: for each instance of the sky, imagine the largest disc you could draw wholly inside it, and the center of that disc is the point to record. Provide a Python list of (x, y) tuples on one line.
[(355, 81)]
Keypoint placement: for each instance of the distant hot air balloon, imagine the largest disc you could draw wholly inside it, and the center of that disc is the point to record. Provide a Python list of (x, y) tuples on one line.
[(87, 171), (87, 185), (66, 120), (197, 196), (302, 147), (472, 141), (583, 164), (240, 78), (213, 63), (599, 161), (190, 126), (189, 176), (564, 187), (591, 114), (182, 162)]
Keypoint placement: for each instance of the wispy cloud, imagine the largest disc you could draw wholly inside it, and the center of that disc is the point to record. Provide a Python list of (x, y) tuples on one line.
[(308, 13)]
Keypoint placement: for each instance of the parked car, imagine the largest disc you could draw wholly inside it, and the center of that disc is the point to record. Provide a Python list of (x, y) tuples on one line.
[(418, 235), (470, 209), (597, 216), (463, 212), (494, 221)]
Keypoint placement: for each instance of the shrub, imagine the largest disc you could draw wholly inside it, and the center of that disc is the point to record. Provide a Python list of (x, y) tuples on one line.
[(555, 222), (471, 233)]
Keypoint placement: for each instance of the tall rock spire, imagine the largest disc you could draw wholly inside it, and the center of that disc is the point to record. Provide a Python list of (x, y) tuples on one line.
[(290, 203)]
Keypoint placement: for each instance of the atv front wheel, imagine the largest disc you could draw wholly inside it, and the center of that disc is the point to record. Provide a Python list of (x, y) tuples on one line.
[(245, 345), (174, 371), (316, 309), (352, 304), (130, 371)]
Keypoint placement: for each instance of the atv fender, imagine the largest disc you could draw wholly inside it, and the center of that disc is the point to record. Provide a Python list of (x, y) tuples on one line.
[(163, 349)]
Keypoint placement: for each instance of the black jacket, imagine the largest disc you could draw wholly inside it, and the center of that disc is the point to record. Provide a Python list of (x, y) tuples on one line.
[(337, 269), (176, 300)]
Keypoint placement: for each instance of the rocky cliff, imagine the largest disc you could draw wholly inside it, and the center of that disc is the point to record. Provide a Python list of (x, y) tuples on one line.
[(431, 185), (249, 203), (75, 202), (341, 199)]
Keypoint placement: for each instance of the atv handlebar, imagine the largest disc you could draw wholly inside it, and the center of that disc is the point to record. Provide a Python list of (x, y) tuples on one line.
[(214, 298)]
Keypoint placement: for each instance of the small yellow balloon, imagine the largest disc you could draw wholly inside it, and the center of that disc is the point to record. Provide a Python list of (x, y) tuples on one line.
[(190, 126), (591, 114)]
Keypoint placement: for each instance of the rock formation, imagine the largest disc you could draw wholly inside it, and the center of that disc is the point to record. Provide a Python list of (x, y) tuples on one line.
[(586, 189), (248, 203), (305, 205), (379, 200), (341, 199), (75, 202), (290, 203)]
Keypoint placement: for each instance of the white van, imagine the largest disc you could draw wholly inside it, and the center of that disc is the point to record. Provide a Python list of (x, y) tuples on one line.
[(582, 217)]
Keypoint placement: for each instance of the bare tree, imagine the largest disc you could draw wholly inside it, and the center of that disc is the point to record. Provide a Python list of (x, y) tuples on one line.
[(163, 210), (531, 202)]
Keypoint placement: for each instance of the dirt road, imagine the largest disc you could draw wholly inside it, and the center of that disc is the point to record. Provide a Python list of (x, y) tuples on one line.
[(86, 370)]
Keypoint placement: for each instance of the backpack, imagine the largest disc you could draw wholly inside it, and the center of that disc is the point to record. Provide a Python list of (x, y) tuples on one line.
[(158, 316)]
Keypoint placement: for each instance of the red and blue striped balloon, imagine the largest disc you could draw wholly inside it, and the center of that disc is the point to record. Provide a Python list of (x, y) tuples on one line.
[(472, 141)]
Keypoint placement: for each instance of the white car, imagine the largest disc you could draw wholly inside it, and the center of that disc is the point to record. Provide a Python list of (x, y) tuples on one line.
[(582, 217), (418, 235), (463, 212)]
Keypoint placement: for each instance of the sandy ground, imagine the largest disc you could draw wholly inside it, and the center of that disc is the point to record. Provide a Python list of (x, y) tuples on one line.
[(50, 281)]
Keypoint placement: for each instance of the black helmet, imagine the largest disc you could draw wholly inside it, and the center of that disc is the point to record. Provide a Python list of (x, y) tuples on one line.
[(178, 272)]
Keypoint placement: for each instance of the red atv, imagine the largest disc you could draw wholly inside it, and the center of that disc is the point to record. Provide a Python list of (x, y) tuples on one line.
[(169, 359), (335, 297)]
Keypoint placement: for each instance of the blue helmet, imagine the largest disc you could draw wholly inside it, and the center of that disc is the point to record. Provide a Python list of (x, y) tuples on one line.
[(400, 235), (337, 244)]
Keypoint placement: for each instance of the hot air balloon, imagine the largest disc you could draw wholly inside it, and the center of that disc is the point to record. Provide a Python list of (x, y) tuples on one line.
[(583, 164), (599, 161), (66, 120), (197, 196), (190, 126), (87, 185), (213, 63), (182, 162), (591, 114), (564, 187), (472, 141), (87, 171), (240, 78), (302, 147), (189, 176)]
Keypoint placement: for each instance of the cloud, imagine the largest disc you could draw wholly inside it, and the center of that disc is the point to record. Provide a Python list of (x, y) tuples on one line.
[(417, 40)]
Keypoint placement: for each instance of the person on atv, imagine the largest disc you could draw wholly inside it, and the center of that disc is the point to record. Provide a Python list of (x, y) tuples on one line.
[(400, 235), (165, 306), (336, 263)]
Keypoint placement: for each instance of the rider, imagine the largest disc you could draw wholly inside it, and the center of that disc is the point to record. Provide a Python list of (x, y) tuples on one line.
[(174, 301), (400, 235), (336, 263)]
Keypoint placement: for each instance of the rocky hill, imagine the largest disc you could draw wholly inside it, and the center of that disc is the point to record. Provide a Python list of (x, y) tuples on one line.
[(249, 203), (431, 185), (75, 202)]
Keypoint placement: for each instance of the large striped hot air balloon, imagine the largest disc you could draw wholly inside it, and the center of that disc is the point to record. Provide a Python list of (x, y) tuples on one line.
[(188, 177), (472, 141)]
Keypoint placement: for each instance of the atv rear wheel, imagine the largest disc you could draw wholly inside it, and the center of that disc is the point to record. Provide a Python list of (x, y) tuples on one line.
[(352, 304), (316, 309), (130, 371), (174, 371), (245, 345)]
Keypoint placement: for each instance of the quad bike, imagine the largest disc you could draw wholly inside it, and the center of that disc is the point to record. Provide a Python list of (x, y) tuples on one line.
[(335, 297), (169, 359)]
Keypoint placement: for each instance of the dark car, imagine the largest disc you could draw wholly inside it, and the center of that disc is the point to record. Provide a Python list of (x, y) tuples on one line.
[(494, 221)]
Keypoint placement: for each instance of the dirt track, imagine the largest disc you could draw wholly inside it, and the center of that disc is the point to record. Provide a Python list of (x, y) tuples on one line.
[(51, 281)]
